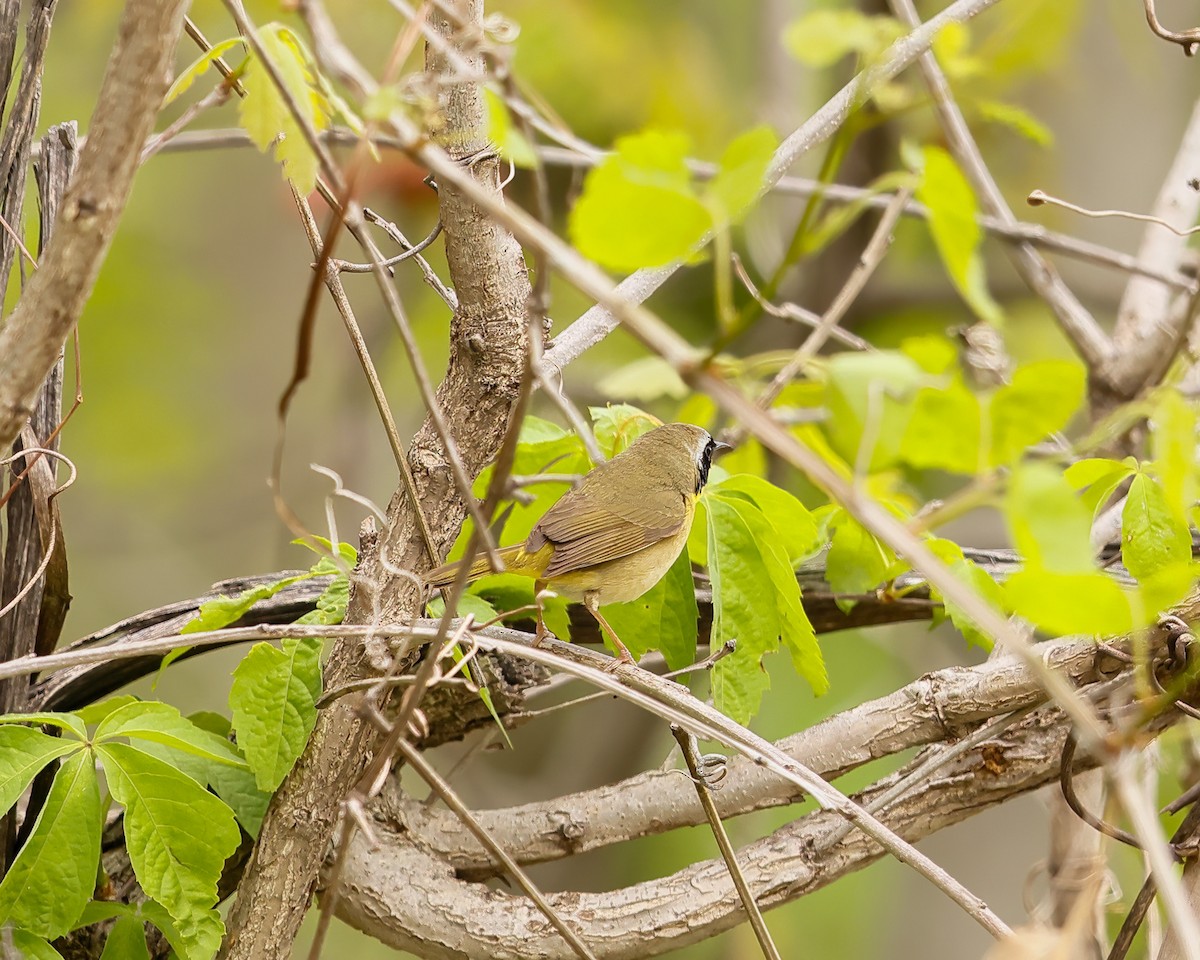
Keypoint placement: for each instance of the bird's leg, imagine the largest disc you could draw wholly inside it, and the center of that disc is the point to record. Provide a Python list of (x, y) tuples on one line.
[(591, 600), (541, 633)]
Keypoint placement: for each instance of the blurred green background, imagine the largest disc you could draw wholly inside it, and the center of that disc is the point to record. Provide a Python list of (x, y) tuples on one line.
[(190, 335)]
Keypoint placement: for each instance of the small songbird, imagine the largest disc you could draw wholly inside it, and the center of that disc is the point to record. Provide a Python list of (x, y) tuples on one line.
[(614, 536)]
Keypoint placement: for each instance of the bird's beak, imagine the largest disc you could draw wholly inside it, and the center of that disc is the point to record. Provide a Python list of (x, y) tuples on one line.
[(720, 448)]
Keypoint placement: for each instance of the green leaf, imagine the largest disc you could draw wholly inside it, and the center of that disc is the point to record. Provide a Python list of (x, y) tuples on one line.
[(507, 137), (618, 425), (740, 174), (792, 521), (743, 558), (195, 937), (638, 207), (1049, 526), (867, 396), (1098, 477), (857, 563), (29, 947), (163, 724), (943, 430), (64, 721), (956, 234), (23, 753), (1016, 119), (1159, 591), (93, 713), (646, 378), (190, 74), (52, 879), (1040, 400), (1063, 604), (664, 618), (842, 217), (1173, 444), (1152, 535), (177, 833), (273, 699), (264, 114), (221, 612), (988, 590), (934, 353), (238, 788), (126, 941), (821, 38)]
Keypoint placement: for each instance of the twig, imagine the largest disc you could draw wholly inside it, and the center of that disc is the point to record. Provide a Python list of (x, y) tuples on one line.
[(871, 257), (448, 296), (687, 744), (1041, 277), (447, 794), (677, 705), (1038, 197), (794, 312), (594, 325), (1188, 39)]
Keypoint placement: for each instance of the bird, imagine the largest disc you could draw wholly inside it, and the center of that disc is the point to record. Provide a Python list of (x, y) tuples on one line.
[(615, 535)]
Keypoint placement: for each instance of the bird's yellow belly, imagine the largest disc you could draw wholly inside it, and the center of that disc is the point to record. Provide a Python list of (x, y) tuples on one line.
[(625, 578)]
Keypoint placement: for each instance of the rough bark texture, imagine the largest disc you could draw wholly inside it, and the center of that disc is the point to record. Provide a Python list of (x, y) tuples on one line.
[(133, 88), (410, 898), (481, 385)]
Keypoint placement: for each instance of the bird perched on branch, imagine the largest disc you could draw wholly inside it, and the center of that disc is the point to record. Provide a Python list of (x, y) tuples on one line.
[(614, 536)]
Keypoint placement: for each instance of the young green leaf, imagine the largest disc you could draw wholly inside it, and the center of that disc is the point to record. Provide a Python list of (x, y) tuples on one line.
[(867, 395), (52, 879), (1050, 527), (638, 207), (177, 833), (238, 788), (663, 619), (1063, 604), (163, 724), (740, 174), (793, 522), (1152, 535), (29, 947), (126, 941), (1016, 119), (190, 74), (1173, 443), (740, 613), (1040, 400), (273, 699), (821, 38), (1098, 478), (195, 937), (856, 562), (943, 430), (64, 721), (23, 753), (93, 713), (743, 556), (956, 233), (507, 137), (219, 613), (618, 425), (986, 588)]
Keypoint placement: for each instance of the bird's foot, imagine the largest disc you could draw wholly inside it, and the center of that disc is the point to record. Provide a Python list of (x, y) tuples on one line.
[(625, 659)]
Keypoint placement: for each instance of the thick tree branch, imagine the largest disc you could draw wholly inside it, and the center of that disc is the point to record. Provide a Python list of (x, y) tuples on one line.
[(130, 95), (1148, 331), (410, 898), (477, 394)]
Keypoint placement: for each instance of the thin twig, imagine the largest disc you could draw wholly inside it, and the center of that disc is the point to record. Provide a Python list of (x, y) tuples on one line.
[(871, 257), (1089, 339), (687, 744), (1038, 197), (447, 794), (1188, 39)]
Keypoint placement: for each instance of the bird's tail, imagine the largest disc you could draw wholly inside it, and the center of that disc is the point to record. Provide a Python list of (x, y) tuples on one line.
[(444, 575)]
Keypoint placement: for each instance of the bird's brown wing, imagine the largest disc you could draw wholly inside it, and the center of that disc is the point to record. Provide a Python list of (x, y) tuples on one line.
[(590, 530)]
